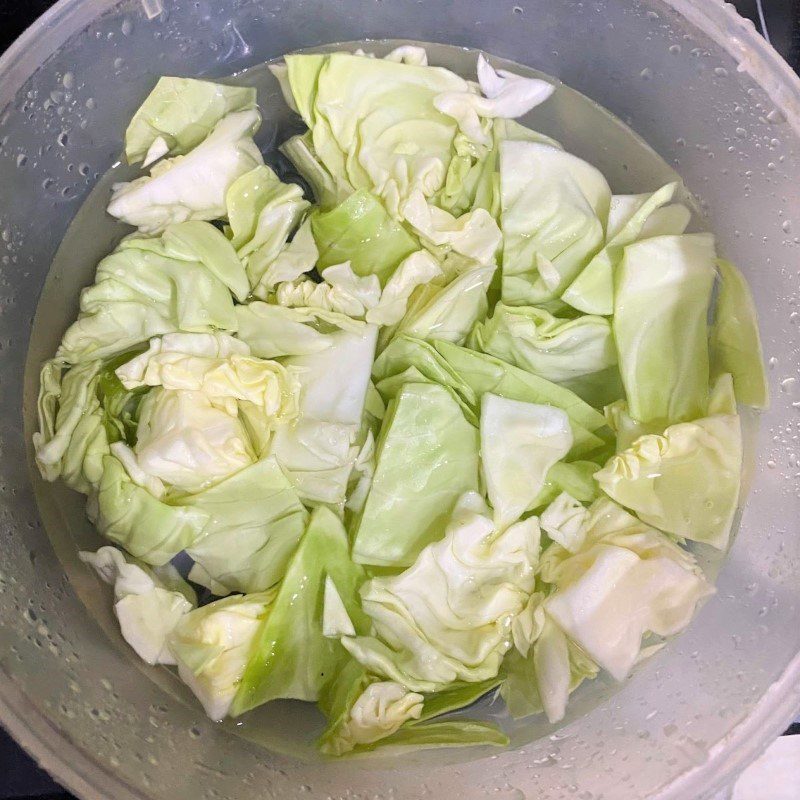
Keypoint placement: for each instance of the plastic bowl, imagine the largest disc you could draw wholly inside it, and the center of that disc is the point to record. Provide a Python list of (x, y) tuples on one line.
[(713, 100)]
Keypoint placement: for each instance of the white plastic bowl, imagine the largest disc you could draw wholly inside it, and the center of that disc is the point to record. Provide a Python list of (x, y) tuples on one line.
[(699, 85)]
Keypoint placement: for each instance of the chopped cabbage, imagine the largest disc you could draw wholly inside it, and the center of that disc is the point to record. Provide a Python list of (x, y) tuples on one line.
[(427, 458), (662, 294), (444, 429), (178, 114), (193, 186), (519, 444), (148, 603), (448, 616)]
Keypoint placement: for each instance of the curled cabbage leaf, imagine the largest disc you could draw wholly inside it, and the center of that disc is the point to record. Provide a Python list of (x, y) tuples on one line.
[(212, 411), (341, 290), (519, 444), (181, 281), (685, 481), (273, 331), (505, 95), (554, 211), (130, 516), (184, 440), (448, 313), (474, 234), (148, 603), (262, 213), (416, 270), (579, 353), (193, 186), (373, 122), (448, 616), (213, 644), (543, 679), (626, 581), (564, 521), (378, 712), (178, 114), (72, 438)]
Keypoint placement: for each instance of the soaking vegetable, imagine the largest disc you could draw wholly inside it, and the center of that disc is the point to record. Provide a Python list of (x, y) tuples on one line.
[(453, 423)]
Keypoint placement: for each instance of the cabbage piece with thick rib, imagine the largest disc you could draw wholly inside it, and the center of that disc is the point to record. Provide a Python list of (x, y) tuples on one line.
[(213, 644), (293, 656), (471, 375)]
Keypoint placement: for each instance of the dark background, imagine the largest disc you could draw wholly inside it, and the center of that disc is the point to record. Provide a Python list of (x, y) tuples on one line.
[(19, 776)]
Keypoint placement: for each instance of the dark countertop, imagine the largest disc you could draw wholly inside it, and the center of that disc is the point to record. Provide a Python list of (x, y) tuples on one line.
[(19, 776)]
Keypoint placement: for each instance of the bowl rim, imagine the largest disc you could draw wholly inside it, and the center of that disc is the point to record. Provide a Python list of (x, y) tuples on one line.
[(85, 777)]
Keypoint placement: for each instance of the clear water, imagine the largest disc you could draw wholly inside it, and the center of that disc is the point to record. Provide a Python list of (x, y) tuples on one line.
[(583, 127)]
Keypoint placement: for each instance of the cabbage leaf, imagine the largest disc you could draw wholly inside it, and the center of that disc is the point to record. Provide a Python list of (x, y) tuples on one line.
[(627, 580), (360, 231), (318, 451), (193, 186), (293, 658), (262, 213), (685, 481), (520, 442), (178, 114), (735, 341), (181, 281), (554, 212), (148, 603), (578, 353), (213, 644), (255, 521), (446, 618), (630, 219), (427, 457), (663, 290)]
